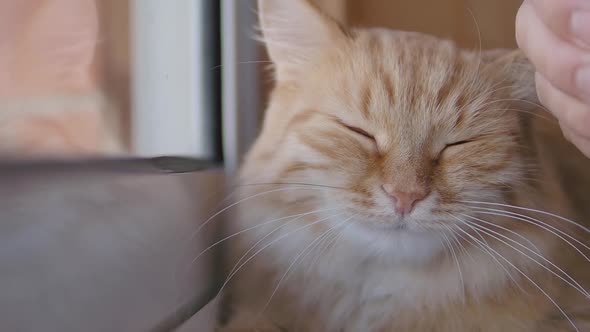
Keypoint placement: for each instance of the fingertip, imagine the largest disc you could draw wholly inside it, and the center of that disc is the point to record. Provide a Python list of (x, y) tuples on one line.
[(582, 143), (522, 24), (567, 19), (543, 87), (572, 113)]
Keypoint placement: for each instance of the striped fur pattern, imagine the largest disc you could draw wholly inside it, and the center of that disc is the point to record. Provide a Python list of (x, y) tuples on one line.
[(322, 247)]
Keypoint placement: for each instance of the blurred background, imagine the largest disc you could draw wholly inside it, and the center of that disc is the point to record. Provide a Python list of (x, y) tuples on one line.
[(154, 77)]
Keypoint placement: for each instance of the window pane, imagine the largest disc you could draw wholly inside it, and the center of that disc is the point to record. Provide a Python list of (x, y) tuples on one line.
[(110, 77)]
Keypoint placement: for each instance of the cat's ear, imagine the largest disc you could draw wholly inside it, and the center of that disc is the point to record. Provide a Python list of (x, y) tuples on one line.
[(516, 70), (295, 31)]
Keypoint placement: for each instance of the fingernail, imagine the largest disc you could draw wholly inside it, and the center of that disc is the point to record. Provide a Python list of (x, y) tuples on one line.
[(583, 82), (580, 25)]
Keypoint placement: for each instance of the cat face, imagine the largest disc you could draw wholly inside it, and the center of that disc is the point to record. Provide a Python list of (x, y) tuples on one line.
[(398, 128)]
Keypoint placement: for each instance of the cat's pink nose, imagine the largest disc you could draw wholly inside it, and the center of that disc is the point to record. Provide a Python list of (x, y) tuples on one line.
[(404, 201)]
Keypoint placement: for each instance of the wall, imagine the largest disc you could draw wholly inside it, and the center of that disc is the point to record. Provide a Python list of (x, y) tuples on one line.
[(51, 100), (449, 18)]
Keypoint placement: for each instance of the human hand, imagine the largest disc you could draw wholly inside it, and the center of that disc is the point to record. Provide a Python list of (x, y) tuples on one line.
[(555, 36)]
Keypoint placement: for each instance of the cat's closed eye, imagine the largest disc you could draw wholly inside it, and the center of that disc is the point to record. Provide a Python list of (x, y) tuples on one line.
[(463, 142), (450, 146), (359, 131)]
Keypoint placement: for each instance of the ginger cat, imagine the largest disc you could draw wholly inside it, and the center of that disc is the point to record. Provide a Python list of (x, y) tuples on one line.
[(403, 184)]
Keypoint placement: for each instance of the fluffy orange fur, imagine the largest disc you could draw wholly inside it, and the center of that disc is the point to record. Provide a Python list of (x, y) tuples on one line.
[(362, 119)]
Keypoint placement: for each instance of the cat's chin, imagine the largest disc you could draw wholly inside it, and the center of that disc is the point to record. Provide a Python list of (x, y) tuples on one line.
[(396, 242), (397, 226)]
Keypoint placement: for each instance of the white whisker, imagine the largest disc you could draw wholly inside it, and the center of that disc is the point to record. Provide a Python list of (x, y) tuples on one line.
[(511, 232), (533, 210), (257, 226), (483, 246), (241, 201), (231, 275), (262, 239), (536, 286), (479, 57), (327, 245), (454, 235), (540, 116), (292, 184), (574, 284), (518, 100), (296, 259), (553, 230), (458, 265)]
